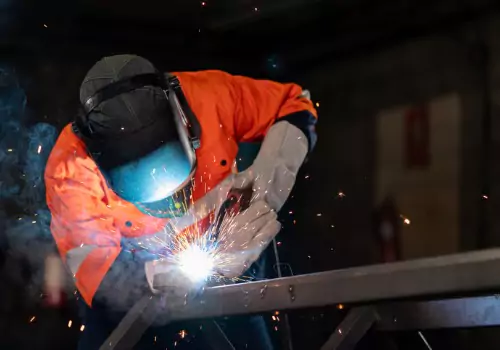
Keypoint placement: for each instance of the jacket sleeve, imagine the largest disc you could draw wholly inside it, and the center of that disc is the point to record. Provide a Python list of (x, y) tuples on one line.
[(83, 228), (262, 103)]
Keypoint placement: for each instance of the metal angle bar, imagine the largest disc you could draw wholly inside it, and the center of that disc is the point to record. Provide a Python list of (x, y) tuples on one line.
[(131, 328), (350, 331), (467, 272), (424, 339), (215, 336), (436, 314), (142, 315), (287, 342)]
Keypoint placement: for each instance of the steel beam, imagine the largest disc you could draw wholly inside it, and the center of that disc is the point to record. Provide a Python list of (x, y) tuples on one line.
[(451, 275), (436, 314), (440, 276)]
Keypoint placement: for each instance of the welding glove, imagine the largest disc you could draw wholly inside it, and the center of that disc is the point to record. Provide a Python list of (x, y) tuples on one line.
[(273, 173), (173, 280), (272, 177), (243, 238)]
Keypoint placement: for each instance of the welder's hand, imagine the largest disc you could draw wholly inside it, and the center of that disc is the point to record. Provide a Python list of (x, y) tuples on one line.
[(174, 281), (273, 173), (244, 237)]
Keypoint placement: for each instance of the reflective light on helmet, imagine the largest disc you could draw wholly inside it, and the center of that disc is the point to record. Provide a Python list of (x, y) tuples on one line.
[(154, 177)]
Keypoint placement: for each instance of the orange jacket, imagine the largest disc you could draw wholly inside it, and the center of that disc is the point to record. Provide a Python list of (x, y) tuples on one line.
[(89, 221)]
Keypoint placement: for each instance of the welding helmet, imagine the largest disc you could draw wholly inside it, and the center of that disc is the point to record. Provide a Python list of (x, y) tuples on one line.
[(138, 128)]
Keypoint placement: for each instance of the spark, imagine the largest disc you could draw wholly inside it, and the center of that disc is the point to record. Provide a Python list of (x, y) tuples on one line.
[(196, 263), (10, 150), (406, 220), (276, 312), (274, 318), (341, 194), (39, 149), (196, 250), (183, 334), (319, 214), (485, 196), (306, 177), (340, 331), (203, 3), (32, 319), (46, 26), (82, 328), (70, 323), (256, 9), (317, 104), (340, 306), (276, 328)]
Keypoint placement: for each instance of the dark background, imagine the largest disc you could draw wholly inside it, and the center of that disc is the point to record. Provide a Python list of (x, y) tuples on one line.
[(357, 57)]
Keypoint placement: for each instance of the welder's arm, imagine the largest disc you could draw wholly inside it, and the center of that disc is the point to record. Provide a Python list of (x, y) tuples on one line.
[(284, 117), (271, 176), (88, 240)]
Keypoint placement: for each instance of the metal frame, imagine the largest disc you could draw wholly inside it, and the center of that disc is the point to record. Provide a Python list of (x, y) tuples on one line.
[(444, 276)]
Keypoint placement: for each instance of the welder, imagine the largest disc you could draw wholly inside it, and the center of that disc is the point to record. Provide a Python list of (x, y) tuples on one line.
[(151, 154)]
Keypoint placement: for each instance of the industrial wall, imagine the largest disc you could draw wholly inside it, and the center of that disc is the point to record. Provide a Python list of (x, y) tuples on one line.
[(450, 203)]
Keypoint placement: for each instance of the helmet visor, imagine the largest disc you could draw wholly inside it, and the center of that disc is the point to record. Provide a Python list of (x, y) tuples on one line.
[(159, 181)]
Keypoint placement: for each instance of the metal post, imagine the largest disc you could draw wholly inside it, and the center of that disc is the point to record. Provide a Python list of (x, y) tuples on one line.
[(287, 334), (142, 315), (134, 324), (354, 326)]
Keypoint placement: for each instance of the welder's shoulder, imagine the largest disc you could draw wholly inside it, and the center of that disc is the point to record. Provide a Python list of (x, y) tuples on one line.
[(206, 81), (67, 156), (208, 90), (204, 77)]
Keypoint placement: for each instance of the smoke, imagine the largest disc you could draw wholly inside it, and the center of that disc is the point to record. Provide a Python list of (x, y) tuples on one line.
[(24, 150)]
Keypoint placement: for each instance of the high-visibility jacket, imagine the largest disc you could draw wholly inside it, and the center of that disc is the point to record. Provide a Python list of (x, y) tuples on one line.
[(90, 222)]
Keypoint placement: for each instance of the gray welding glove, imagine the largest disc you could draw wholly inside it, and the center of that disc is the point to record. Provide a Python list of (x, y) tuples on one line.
[(173, 281), (244, 237), (272, 177), (273, 173)]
